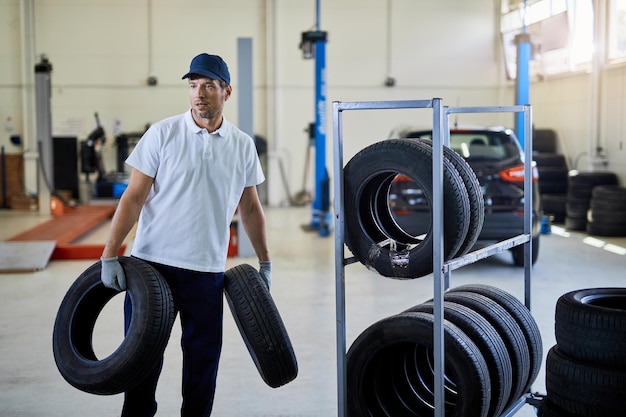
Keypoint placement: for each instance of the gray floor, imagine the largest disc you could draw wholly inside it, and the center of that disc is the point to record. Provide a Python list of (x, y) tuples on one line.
[(304, 291)]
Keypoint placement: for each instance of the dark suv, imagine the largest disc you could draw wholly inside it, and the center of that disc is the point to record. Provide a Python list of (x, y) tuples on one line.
[(497, 158)]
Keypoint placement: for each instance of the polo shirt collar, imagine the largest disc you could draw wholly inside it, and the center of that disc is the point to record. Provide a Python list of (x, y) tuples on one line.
[(222, 131)]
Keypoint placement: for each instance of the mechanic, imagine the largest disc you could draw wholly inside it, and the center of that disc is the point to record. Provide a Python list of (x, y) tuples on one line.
[(189, 175)]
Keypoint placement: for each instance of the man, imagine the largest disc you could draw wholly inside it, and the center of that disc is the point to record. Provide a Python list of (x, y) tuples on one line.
[(190, 173)]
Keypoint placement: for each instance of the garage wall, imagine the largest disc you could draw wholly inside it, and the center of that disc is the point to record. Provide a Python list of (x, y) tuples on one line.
[(103, 51)]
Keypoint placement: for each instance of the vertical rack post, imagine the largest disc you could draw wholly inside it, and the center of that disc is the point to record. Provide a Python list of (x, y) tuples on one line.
[(340, 289), (438, 283)]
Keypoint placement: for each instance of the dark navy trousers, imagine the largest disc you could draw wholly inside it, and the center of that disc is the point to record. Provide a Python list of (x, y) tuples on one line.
[(198, 298)]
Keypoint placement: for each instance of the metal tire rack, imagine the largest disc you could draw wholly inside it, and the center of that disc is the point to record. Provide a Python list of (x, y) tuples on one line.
[(442, 269)]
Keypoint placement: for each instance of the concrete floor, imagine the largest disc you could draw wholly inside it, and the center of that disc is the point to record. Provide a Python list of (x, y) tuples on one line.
[(304, 292)]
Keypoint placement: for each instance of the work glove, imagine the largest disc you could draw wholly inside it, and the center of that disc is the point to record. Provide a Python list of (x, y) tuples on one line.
[(266, 272), (112, 275)]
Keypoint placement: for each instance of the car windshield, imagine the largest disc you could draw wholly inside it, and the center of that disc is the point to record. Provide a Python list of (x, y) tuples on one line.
[(478, 145)]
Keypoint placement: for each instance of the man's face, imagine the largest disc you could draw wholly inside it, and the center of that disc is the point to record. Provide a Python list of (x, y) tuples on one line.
[(207, 96)]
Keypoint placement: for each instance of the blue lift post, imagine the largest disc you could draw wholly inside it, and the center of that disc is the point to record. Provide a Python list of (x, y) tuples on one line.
[(522, 79), (313, 45), (522, 83)]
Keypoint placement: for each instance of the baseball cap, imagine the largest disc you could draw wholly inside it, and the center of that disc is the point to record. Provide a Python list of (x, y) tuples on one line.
[(211, 66)]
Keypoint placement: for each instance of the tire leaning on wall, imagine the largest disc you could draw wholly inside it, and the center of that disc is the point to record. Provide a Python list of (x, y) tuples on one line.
[(143, 346), (260, 325), (372, 234)]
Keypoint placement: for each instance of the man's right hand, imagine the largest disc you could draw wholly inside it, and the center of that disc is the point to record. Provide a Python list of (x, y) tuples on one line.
[(112, 275)]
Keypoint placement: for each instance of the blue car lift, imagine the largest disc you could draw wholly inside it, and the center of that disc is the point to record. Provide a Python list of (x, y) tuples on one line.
[(313, 45), (522, 79)]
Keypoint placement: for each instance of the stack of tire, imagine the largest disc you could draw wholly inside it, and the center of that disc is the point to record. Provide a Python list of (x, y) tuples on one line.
[(586, 369), (372, 234), (553, 174), (581, 185), (553, 184), (607, 213), (493, 353)]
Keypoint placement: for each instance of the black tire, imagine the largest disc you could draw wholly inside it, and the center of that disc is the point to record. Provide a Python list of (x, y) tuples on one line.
[(140, 351), (576, 223), (613, 193), (606, 229), (518, 252), (544, 140), (554, 205), (390, 370), (372, 234), (583, 389), (553, 186), (521, 315), (556, 160), (590, 325), (260, 325), (509, 331), (488, 341), (474, 193), (591, 179), (552, 173)]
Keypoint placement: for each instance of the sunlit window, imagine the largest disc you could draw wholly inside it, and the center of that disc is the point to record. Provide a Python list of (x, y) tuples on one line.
[(561, 34), (617, 30)]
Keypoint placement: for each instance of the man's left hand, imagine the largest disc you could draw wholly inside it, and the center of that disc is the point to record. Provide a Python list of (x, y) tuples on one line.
[(265, 270)]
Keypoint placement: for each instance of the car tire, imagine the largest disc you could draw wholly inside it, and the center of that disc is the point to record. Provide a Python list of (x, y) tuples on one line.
[(582, 389), (490, 344), (590, 326), (371, 233), (390, 370), (474, 192), (521, 315), (518, 252), (544, 140), (145, 341), (508, 329), (260, 325)]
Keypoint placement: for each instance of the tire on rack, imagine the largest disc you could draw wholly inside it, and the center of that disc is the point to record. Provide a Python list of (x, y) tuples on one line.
[(145, 341), (590, 326), (490, 344), (508, 329), (521, 315), (371, 232), (260, 325), (474, 193), (390, 370), (582, 389)]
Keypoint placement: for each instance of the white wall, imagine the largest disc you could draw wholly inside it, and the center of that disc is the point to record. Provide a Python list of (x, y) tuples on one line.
[(103, 51)]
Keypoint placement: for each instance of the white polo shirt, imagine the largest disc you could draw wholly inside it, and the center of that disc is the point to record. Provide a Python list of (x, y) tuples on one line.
[(198, 181)]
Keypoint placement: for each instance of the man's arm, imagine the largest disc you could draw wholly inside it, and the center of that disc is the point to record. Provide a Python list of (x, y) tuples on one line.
[(127, 212), (253, 220)]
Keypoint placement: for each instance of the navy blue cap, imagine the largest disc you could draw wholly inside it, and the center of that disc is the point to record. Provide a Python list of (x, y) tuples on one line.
[(211, 66)]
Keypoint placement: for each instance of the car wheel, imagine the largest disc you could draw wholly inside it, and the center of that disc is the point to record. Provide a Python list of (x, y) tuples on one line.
[(260, 325), (518, 252), (372, 234), (143, 346)]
